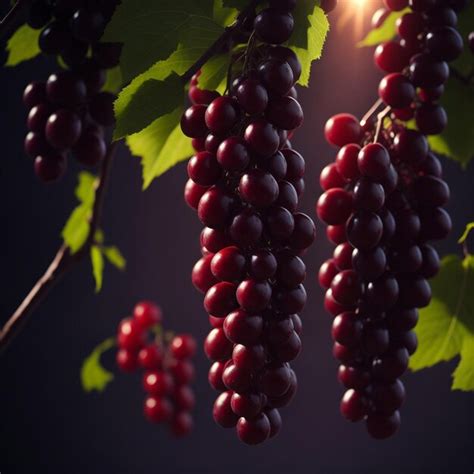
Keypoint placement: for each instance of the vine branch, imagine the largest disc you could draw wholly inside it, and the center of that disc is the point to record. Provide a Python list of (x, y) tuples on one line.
[(62, 262), (380, 118), (15, 17)]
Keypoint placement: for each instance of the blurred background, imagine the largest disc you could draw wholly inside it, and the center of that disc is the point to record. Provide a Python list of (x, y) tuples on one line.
[(49, 425)]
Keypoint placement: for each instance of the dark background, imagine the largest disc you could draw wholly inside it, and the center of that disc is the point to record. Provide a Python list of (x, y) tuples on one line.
[(49, 425)]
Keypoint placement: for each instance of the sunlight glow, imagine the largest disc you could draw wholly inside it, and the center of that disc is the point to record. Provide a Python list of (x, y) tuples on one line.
[(354, 13)]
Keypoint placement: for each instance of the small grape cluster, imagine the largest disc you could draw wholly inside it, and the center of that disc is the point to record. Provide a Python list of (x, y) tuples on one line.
[(69, 111), (245, 181), (383, 203), (167, 364)]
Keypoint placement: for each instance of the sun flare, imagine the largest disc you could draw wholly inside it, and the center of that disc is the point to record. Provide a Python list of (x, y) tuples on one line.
[(355, 12)]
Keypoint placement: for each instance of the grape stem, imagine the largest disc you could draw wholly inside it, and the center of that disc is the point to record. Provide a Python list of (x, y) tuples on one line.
[(380, 118), (15, 17), (63, 261), (221, 42), (372, 110)]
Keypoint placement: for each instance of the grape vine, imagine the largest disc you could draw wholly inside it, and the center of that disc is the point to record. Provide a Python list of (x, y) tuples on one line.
[(244, 182), (238, 64), (383, 201)]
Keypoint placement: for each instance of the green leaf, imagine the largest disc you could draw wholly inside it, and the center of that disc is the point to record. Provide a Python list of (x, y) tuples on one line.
[(97, 261), (466, 232), (153, 99), (179, 62), (446, 326), (463, 376), (85, 190), (312, 49), (23, 45), (93, 375), (115, 257), (161, 145), (113, 82), (385, 32), (457, 140), (151, 31), (76, 229), (214, 72), (237, 4), (304, 10), (222, 14)]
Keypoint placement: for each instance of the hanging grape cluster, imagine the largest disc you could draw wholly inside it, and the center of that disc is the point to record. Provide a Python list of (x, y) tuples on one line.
[(167, 365), (383, 203), (68, 112), (245, 181)]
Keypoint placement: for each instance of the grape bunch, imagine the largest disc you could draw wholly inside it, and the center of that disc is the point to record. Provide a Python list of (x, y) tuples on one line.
[(245, 181), (68, 111), (383, 202), (167, 365)]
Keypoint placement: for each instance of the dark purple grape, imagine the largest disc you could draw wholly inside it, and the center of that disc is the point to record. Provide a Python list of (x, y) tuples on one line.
[(66, 89), (273, 26), (50, 167), (63, 129)]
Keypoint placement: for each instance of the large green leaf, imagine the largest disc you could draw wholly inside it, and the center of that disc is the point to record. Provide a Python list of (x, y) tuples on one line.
[(237, 4), (152, 30), (224, 14), (385, 32), (457, 140), (153, 99), (214, 72), (304, 10), (23, 45), (93, 374), (446, 326), (178, 63), (161, 145), (312, 49)]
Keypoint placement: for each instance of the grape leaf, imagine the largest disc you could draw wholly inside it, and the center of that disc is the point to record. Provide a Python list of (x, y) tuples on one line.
[(161, 145), (153, 99), (224, 14), (178, 62), (115, 257), (463, 376), (312, 49), (77, 226), (237, 4), (23, 45), (457, 139), (446, 326), (385, 32), (97, 262), (214, 72), (151, 31), (93, 375), (113, 82), (303, 11)]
